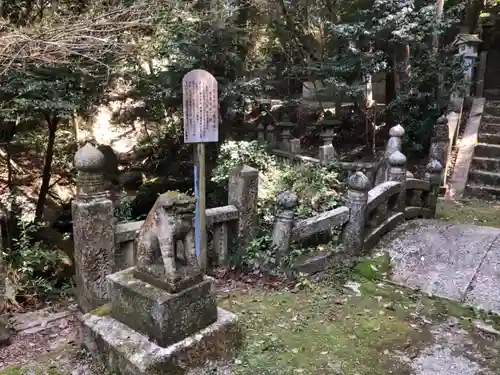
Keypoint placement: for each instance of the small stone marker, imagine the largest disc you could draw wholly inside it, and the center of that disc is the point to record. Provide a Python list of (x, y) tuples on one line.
[(200, 107)]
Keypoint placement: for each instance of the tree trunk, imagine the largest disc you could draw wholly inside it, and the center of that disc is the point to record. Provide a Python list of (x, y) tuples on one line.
[(47, 167)]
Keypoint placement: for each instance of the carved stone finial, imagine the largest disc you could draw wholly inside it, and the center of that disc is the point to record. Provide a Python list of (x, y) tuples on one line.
[(397, 131), (434, 166), (397, 159), (89, 159), (358, 181), (287, 200)]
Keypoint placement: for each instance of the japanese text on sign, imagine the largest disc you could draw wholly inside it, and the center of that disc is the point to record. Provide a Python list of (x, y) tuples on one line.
[(200, 106)]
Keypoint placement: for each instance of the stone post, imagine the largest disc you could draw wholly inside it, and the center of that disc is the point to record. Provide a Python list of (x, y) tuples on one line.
[(396, 134), (440, 143), (295, 146), (93, 229), (286, 127), (283, 224), (243, 190), (271, 135), (327, 154), (397, 172), (357, 197), (433, 175), (261, 135)]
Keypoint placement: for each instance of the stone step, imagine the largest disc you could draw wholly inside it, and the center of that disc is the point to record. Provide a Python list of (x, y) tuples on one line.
[(490, 119), (487, 164), (484, 177), (486, 150), (492, 108), (489, 127), (482, 191), (490, 138)]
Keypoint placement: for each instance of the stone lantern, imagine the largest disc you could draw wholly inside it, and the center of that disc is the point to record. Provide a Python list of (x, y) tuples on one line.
[(328, 125), (468, 45)]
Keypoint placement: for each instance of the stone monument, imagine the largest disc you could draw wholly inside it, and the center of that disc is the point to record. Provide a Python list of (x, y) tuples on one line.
[(162, 318)]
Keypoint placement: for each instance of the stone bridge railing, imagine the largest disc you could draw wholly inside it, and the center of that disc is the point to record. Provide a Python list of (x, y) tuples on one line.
[(368, 214), (102, 246)]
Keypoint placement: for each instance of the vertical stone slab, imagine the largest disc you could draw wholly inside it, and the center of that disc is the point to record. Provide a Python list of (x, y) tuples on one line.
[(481, 72), (357, 197), (282, 232), (397, 172), (243, 189), (326, 154), (271, 135), (221, 235), (295, 146), (433, 175), (440, 143), (93, 230)]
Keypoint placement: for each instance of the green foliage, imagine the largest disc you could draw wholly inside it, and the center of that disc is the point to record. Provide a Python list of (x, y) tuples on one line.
[(237, 153), (318, 188), (36, 271)]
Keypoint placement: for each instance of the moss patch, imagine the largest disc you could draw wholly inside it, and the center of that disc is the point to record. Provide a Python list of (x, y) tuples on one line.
[(104, 310), (327, 329), (470, 212)]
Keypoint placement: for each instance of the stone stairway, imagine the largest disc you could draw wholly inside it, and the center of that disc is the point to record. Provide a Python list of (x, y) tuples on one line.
[(484, 174)]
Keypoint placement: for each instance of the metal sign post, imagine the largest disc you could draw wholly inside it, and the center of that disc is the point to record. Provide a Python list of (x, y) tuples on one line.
[(201, 125)]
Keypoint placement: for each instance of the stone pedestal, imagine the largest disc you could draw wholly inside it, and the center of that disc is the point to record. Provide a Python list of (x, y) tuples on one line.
[(128, 352), (162, 316)]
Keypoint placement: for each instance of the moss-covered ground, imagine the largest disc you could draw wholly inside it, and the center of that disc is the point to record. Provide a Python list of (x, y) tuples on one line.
[(350, 325)]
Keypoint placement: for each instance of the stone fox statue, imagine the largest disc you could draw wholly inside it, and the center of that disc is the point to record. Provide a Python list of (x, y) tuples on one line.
[(165, 247)]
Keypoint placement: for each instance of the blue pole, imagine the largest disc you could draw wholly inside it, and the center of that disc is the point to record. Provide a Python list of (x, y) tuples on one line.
[(197, 217)]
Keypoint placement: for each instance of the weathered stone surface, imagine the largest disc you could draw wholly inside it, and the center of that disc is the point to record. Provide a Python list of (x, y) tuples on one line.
[(357, 197), (221, 214), (127, 352), (243, 189), (438, 257), (484, 291), (325, 221), (283, 224), (163, 317), (5, 333), (165, 245), (327, 154), (93, 229)]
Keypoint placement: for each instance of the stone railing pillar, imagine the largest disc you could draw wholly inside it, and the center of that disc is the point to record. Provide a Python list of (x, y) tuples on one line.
[(283, 224), (440, 143), (357, 197), (295, 146), (327, 154), (433, 175), (261, 134), (271, 135), (397, 172), (93, 229), (243, 189), (396, 134), (285, 127)]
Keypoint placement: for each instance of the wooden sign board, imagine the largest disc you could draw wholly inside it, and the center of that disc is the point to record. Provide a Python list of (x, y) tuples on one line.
[(201, 107)]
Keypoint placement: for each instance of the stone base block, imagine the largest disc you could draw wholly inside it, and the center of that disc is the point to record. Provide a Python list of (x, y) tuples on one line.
[(127, 352), (163, 317)]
